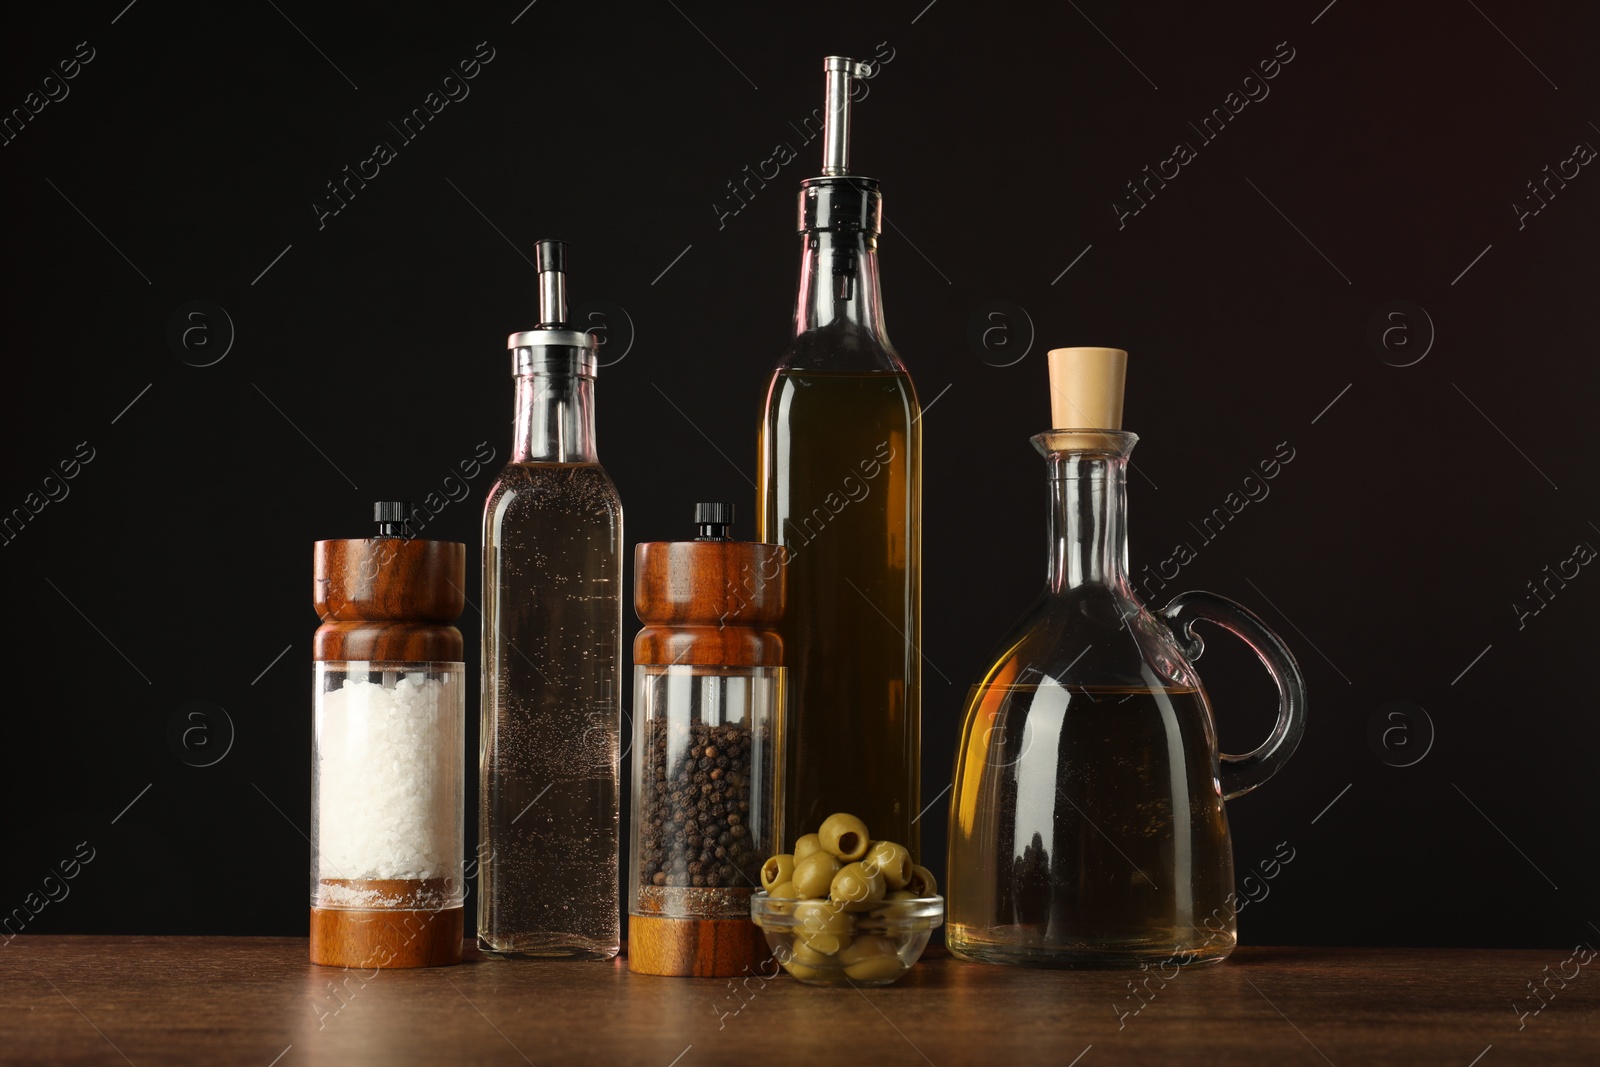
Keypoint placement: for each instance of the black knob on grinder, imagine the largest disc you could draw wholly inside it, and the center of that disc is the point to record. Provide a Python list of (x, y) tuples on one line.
[(714, 521), (392, 517)]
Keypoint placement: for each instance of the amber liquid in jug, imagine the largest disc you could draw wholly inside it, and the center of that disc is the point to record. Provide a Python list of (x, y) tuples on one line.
[(1110, 832)]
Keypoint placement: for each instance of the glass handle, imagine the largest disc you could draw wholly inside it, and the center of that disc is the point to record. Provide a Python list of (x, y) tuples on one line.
[(1240, 774)]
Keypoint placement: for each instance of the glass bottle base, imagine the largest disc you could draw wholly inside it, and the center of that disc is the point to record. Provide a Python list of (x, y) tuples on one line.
[(548, 948), (1132, 953)]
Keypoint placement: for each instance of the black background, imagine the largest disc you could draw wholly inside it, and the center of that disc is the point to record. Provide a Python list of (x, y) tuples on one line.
[(369, 360)]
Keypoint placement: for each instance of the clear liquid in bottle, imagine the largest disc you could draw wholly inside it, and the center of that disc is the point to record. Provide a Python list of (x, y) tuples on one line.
[(552, 569)]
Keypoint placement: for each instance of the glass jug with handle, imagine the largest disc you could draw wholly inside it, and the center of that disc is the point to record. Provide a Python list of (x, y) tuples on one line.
[(1087, 825)]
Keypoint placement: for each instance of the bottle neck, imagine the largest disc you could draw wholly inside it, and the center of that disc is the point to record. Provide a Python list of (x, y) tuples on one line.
[(1088, 520), (839, 282), (555, 419)]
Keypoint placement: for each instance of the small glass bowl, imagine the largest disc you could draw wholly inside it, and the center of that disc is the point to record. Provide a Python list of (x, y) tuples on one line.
[(821, 943)]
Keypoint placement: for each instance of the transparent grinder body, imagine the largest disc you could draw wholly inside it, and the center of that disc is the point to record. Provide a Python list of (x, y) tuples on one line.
[(387, 785), (704, 782), (1087, 820)]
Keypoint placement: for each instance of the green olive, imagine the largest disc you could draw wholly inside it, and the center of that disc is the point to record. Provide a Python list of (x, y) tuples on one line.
[(900, 894), (892, 861), (854, 889), (821, 926), (777, 870), (806, 846), (875, 969), (871, 959), (813, 875), (922, 882), (867, 947), (826, 943), (807, 964), (804, 972), (810, 957), (845, 836), (781, 896)]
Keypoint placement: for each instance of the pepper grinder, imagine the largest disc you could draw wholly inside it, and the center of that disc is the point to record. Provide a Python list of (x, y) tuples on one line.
[(388, 754), (708, 685)]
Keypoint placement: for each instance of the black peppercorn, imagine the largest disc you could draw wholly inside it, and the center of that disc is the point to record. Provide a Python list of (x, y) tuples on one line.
[(695, 806)]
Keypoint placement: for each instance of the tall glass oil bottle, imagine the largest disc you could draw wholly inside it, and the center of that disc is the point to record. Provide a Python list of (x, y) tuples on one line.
[(841, 489), (552, 626)]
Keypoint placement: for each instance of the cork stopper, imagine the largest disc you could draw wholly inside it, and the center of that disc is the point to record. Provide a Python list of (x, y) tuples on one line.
[(1086, 394)]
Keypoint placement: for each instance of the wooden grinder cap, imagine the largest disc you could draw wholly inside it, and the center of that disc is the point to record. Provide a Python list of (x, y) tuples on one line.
[(392, 598), (709, 601), (1086, 394)]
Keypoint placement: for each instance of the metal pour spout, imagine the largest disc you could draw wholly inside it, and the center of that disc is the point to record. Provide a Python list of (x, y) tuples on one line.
[(841, 71), (552, 264)]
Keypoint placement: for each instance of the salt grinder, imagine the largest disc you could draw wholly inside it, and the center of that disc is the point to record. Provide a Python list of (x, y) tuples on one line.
[(387, 749), (708, 691)]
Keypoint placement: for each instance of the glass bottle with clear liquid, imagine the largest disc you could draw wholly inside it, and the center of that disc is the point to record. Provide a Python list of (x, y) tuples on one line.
[(1087, 826), (552, 626), (840, 487)]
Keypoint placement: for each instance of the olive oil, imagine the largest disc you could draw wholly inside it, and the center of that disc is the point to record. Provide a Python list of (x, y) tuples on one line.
[(840, 479), (1090, 826)]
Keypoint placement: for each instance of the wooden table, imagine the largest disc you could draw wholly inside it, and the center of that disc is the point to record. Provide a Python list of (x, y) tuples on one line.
[(256, 1001)]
